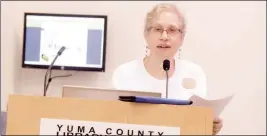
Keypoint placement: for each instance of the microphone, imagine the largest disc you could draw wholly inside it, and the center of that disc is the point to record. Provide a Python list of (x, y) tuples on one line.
[(49, 70), (166, 67)]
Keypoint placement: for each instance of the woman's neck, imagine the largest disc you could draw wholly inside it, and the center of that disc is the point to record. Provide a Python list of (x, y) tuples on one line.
[(154, 66)]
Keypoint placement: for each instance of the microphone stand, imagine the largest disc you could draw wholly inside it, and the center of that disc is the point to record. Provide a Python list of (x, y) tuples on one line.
[(166, 67), (167, 82), (49, 70)]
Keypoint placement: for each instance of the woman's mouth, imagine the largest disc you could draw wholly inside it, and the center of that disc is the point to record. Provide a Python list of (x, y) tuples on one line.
[(163, 46)]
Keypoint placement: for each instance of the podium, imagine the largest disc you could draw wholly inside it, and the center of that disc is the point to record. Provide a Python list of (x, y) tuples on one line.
[(38, 115)]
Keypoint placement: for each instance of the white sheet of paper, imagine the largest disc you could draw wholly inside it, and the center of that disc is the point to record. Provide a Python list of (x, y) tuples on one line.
[(217, 105)]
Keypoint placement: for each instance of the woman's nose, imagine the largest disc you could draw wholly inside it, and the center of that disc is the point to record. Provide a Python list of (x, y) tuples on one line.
[(164, 35)]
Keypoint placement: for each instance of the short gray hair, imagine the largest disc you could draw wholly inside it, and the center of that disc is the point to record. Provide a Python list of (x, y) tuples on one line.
[(164, 7)]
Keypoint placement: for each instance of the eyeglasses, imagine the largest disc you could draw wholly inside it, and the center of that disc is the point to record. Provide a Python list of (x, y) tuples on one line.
[(170, 31)]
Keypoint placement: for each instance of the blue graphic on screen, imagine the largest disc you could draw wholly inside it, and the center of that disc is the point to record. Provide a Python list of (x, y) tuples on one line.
[(83, 40)]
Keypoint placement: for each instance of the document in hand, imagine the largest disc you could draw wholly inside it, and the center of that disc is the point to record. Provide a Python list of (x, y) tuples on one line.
[(217, 105)]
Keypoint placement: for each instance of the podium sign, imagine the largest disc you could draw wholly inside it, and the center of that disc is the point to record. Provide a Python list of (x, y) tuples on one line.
[(82, 128), (37, 115)]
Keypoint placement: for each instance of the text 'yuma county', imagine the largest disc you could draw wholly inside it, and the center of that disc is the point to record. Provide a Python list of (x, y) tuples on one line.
[(70, 130)]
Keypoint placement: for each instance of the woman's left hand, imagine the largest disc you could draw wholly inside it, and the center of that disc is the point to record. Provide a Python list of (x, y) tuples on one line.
[(217, 125)]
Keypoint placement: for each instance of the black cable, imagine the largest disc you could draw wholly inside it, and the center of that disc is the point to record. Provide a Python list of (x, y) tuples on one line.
[(51, 78)]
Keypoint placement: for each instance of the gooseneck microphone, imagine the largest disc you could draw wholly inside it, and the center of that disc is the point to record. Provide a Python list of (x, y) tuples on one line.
[(49, 70), (166, 67)]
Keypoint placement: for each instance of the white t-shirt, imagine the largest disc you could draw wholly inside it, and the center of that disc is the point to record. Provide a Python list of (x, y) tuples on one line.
[(133, 76)]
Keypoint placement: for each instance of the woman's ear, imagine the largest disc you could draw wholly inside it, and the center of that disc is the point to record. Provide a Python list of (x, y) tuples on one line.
[(145, 35), (182, 39)]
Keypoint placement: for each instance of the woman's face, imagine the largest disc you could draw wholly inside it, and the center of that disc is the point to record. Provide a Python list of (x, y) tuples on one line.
[(164, 36)]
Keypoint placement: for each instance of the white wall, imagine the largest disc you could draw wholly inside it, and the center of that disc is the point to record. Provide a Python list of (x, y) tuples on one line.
[(226, 38)]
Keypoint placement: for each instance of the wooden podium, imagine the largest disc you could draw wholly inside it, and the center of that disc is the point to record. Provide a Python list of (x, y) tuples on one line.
[(25, 112)]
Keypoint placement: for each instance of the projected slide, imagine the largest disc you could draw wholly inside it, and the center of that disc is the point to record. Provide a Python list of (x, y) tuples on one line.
[(82, 37), (72, 36)]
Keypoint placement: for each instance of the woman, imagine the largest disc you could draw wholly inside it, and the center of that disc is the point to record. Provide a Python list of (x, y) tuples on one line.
[(164, 34)]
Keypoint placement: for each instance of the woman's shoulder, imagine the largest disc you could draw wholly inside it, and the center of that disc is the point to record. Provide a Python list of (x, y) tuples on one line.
[(129, 66), (190, 66), (125, 73)]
